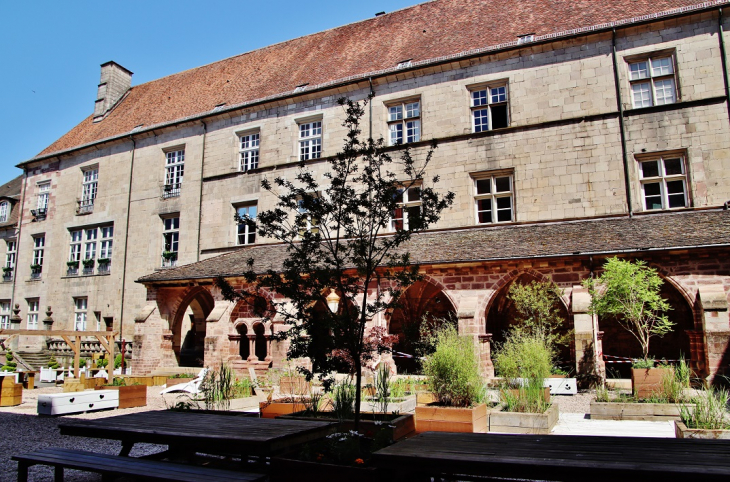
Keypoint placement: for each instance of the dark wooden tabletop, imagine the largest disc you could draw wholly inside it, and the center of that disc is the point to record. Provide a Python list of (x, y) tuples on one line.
[(203, 432), (557, 457)]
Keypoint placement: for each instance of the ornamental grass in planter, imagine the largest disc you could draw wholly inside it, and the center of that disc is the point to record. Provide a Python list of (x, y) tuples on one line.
[(452, 372), (707, 418), (525, 361)]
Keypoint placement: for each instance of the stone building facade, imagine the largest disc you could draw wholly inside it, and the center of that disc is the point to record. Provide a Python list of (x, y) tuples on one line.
[(569, 134)]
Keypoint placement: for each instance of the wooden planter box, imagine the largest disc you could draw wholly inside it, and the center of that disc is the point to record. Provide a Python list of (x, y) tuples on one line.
[(131, 396), (402, 425), (425, 398), (647, 381), (434, 418), (681, 431), (401, 405), (517, 422), (515, 392), (294, 386), (11, 393), (176, 381), (653, 412), (287, 468), (276, 409)]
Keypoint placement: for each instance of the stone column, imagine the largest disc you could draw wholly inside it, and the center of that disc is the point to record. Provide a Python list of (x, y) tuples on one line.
[(588, 360), (485, 355), (716, 324), (252, 347), (234, 346)]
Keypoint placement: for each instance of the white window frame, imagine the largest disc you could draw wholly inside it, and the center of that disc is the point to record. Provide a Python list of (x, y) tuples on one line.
[(11, 251), (4, 211), (81, 313), (310, 140), (310, 224), (89, 189), (5, 315), (39, 246), (666, 181), (174, 172), (650, 77), (74, 251), (489, 200), (91, 236), (407, 202), (246, 231), (404, 121), (106, 242), (483, 100), (170, 239), (32, 316), (44, 191), (248, 151)]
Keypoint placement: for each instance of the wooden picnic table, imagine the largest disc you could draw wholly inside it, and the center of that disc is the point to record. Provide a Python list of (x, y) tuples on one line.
[(190, 431), (555, 457)]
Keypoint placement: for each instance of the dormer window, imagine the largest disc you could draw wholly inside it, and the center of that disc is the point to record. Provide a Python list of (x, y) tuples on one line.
[(4, 211)]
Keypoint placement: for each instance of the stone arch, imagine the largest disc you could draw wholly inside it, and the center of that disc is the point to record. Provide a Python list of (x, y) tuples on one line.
[(617, 342), (188, 326), (424, 300), (500, 313)]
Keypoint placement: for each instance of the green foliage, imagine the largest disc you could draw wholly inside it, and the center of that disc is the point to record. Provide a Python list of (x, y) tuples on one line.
[(53, 363), (82, 362), (630, 292), (453, 369), (181, 375), (524, 355), (10, 364), (331, 230), (119, 382), (710, 411), (313, 403), (217, 388), (675, 382), (242, 388), (527, 399), (538, 310), (344, 397), (118, 361), (642, 363)]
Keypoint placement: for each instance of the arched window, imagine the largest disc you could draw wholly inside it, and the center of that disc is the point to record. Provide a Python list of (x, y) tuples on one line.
[(4, 211)]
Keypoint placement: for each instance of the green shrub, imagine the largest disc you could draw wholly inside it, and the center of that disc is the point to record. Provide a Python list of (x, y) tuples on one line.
[(118, 361), (242, 388), (217, 388), (452, 370), (710, 411), (642, 364), (10, 365), (53, 363), (524, 355), (343, 400)]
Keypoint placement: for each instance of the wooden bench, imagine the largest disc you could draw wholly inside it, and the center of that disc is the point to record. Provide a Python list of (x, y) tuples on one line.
[(110, 466)]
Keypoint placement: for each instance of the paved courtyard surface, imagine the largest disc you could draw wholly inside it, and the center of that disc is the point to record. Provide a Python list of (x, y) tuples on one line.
[(21, 430)]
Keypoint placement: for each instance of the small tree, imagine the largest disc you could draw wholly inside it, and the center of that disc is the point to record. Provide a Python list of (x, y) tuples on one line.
[(336, 257), (630, 292), (538, 311)]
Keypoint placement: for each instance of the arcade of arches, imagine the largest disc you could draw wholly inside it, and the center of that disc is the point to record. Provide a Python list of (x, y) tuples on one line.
[(184, 326)]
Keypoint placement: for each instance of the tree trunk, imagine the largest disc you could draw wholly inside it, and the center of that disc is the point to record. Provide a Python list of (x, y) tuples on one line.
[(358, 391)]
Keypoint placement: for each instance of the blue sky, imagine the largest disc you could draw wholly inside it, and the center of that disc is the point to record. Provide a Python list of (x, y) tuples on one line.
[(50, 51)]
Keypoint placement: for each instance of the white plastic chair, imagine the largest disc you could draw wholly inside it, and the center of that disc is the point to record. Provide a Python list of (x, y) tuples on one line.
[(193, 386)]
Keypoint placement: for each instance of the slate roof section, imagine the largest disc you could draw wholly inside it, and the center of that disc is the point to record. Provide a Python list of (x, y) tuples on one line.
[(430, 32), (690, 229)]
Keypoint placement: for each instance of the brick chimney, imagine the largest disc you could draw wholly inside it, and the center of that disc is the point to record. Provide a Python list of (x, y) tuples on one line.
[(115, 82)]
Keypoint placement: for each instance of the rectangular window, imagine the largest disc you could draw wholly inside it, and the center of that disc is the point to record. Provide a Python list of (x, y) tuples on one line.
[(663, 183), (90, 247), (4, 211), (32, 318), (246, 224), (653, 81), (174, 169), (310, 140), (408, 211), (39, 245), (4, 315), (249, 152), (306, 221), (489, 108), (88, 191), (404, 122), (10, 253), (107, 240), (171, 241), (44, 190), (75, 248), (494, 198), (80, 313)]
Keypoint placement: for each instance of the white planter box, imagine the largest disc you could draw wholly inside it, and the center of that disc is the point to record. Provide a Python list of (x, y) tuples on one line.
[(77, 402)]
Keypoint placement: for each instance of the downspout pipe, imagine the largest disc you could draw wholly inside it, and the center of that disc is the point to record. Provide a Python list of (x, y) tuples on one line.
[(200, 199), (126, 241), (370, 104), (622, 127), (723, 59)]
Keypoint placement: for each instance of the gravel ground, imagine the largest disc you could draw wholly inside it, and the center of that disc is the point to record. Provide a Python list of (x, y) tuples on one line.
[(22, 430)]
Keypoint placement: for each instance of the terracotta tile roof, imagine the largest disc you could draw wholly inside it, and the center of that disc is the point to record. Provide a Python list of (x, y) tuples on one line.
[(423, 33), (641, 233)]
